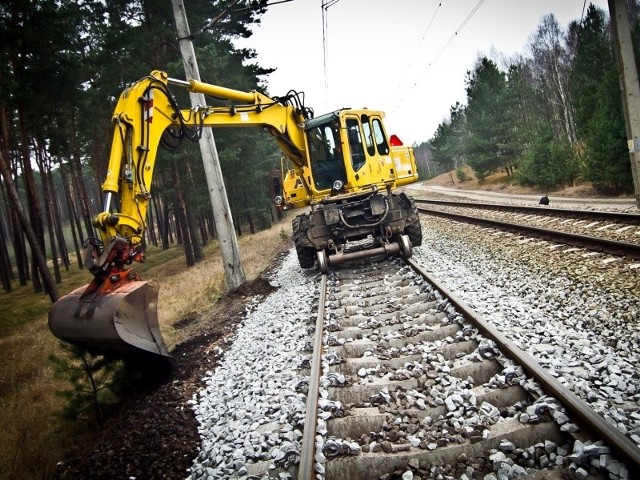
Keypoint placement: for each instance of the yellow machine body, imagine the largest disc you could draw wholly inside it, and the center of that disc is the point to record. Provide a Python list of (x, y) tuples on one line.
[(343, 165)]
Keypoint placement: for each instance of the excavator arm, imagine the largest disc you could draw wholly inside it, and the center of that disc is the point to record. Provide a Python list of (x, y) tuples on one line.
[(116, 312), (147, 117)]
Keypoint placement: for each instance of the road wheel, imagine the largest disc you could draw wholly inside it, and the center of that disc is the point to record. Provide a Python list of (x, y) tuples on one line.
[(414, 232), (306, 255)]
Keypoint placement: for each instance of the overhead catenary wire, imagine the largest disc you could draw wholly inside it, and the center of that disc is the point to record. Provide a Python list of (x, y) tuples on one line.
[(424, 35), (439, 54)]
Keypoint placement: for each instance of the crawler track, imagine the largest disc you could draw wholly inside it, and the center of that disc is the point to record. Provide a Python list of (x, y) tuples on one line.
[(414, 381), (611, 232)]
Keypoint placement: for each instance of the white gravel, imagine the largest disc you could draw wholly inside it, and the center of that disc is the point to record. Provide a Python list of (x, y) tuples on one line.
[(585, 336), (626, 204), (251, 412)]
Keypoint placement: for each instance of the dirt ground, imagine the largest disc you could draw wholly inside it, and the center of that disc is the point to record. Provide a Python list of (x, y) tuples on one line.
[(155, 435)]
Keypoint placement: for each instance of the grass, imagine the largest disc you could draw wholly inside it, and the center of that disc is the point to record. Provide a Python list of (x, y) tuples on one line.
[(33, 434)]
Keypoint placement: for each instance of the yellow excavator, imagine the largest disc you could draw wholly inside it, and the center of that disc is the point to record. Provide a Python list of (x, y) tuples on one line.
[(341, 165)]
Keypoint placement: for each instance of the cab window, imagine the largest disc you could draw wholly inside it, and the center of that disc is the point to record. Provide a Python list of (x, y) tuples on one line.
[(366, 127), (381, 141), (325, 153), (358, 158)]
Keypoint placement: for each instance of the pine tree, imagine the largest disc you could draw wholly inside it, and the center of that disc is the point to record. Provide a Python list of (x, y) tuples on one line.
[(598, 106), (485, 116)]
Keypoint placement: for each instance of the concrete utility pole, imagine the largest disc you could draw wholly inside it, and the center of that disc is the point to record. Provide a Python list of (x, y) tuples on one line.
[(628, 84), (227, 239)]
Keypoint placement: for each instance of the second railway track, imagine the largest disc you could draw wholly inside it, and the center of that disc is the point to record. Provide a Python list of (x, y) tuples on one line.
[(413, 387), (612, 232)]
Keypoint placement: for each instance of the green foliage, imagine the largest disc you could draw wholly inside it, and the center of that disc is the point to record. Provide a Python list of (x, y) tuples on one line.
[(547, 161), (446, 145), (98, 384), (598, 104), (461, 174), (488, 125), (594, 59), (65, 63), (93, 391), (607, 159), (533, 119), (283, 234), (423, 153)]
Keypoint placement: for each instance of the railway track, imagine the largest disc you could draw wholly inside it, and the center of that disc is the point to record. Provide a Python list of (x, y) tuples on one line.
[(411, 383), (615, 233)]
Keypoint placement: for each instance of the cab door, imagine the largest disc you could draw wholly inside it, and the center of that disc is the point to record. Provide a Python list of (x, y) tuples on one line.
[(357, 161), (382, 149)]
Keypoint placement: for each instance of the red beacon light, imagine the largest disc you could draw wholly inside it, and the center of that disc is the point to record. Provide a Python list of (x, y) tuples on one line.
[(394, 141)]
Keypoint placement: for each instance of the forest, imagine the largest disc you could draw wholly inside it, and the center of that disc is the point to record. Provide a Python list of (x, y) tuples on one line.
[(64, 63), (549, 117)]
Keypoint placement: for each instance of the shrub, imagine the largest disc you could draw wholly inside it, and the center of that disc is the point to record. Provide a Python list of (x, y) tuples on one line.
[(461, 174)]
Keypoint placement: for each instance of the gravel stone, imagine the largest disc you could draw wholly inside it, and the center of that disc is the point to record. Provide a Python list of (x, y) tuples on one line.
[(576, 315), (256, 381)]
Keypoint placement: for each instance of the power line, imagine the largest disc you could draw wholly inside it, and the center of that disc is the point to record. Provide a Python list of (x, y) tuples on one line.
[(445, 46), (415, 54)]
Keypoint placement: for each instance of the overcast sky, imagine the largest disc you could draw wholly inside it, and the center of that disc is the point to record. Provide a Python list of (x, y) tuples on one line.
[(400, 56)]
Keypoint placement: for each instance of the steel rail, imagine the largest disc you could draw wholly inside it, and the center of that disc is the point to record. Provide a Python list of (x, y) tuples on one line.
[(308, 446), (576, 406), (544, 210), (613, 247)]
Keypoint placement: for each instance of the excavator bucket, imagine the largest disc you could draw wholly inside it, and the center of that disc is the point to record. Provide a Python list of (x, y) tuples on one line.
[(118, 319)]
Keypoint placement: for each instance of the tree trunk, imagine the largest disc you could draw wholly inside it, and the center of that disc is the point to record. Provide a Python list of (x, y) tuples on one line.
[(57, 220), (181, 218), (19, 250), (166, 228), (33, 203), (192, 222), (252, 227), (42, 165), (211, 224), (6, 271), (79, 186), (5, 232), (74, 221), (151, 227), (31, 236), (159, 218), (237, 225), (183, 231), (196, 244), (5, 265), (203, 229)]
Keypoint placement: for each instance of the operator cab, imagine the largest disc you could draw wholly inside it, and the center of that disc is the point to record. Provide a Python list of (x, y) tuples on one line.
[(349, 146)]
